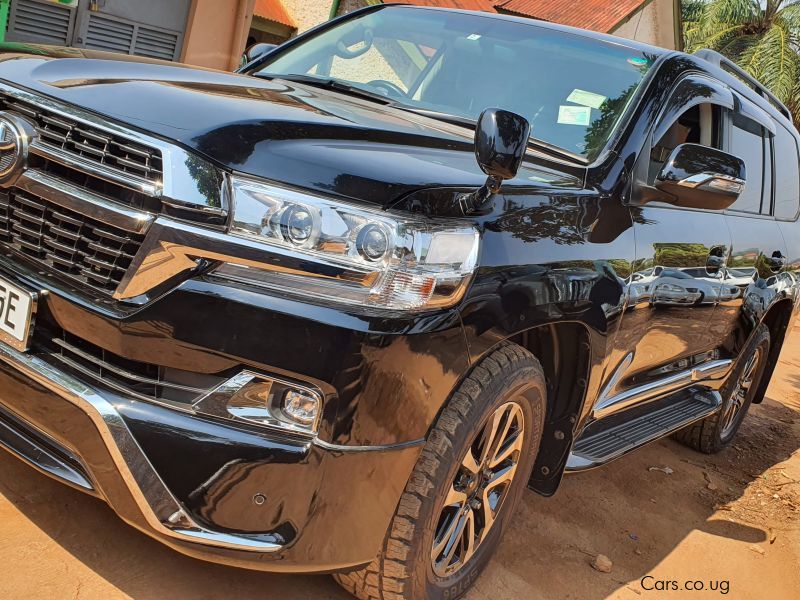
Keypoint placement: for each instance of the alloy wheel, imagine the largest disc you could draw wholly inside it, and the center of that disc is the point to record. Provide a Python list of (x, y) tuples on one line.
[(478, 490), (740, 393)]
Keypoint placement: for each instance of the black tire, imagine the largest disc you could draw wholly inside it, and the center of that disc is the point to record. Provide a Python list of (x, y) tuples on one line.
[(715, 432), (404, 569)]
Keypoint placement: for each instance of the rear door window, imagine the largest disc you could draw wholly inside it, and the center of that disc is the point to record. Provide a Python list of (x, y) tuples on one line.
[(749, 141), (787, 175)]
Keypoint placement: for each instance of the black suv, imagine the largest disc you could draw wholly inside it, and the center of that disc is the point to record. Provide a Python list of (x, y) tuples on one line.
[(284, 319)]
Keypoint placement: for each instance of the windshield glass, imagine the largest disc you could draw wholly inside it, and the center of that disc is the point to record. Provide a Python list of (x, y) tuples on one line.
[(573, 89)]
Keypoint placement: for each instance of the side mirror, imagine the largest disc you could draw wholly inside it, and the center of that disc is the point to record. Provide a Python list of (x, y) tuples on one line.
[(697, 176), (257, 51), (501, 139)]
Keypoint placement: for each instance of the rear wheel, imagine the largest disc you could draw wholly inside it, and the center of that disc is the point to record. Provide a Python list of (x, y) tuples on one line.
[(715, 432), (463, 491)]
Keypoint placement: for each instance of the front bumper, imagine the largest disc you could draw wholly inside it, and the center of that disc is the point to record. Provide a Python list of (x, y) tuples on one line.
[(274, 502)]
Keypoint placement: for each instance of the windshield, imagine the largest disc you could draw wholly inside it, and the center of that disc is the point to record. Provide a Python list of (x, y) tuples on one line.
[(573, 89)]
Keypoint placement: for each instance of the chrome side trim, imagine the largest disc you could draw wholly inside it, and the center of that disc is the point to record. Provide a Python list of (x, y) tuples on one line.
[(81, 200), (608, 389), (355, 449), (579, 463), (160, 508), (719, 181), (712, 370)]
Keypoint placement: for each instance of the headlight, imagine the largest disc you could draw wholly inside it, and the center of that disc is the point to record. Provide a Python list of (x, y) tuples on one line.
[(344, 253)]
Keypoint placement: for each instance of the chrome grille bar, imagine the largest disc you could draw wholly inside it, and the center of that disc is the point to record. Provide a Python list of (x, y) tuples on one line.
[(94, 169), (68, 195), (74, 244), (103, 365), (64, 137), (91, 187)]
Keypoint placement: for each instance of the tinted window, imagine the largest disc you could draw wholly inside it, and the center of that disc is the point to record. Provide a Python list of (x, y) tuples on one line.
[(787, 177), (572, 88), (747, 142)]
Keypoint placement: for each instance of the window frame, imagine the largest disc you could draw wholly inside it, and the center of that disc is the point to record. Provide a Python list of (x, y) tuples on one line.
[(716, 93), (745, 109), (719, 95)]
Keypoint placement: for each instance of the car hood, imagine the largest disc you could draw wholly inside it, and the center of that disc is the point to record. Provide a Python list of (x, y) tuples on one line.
[(276, 130)]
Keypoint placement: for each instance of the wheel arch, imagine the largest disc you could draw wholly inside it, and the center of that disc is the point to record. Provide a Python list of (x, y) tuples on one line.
[(565, 351), (777, 320)]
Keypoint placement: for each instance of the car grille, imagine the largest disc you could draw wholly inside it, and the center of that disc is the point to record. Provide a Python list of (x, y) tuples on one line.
[(98, 366), (94, 253), (112, 152)]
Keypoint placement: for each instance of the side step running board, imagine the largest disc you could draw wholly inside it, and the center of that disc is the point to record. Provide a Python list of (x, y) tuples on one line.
[(605, 445)]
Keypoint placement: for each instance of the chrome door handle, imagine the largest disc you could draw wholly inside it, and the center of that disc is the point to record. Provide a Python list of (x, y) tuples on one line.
[(716, 259), (776, 262)]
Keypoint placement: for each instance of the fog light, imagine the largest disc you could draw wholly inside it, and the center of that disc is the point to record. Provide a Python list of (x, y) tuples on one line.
[(265, 401), (300, 407)]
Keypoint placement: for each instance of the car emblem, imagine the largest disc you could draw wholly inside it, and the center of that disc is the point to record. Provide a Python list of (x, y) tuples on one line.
[(16, 135)]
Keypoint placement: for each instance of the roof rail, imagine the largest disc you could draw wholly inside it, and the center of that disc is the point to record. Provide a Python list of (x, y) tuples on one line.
[(724, 62)]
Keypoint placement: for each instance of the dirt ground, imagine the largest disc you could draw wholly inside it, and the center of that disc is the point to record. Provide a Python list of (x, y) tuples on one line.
[(731, 522)]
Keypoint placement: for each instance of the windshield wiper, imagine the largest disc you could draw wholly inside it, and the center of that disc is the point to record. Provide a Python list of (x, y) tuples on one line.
[(533, 142), (353, 90), (330, 83), (440, 116)]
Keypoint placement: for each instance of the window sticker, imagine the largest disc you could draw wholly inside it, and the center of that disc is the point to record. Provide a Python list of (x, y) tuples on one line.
[(474, 37), (585, 98), (574, 115)]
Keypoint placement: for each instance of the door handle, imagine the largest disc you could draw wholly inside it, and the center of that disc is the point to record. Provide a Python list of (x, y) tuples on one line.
[(776, 262), (716, 259)]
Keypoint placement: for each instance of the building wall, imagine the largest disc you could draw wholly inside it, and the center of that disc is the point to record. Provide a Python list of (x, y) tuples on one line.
[(308, 13), (348, 6), (654, 24), (216, 33), (269, 32)]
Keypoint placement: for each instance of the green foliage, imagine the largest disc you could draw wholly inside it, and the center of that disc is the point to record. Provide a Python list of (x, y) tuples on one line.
[(680, 255), (763, 37)]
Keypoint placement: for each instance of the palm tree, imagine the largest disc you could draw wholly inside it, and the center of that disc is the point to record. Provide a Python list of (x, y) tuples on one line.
[(761, 36)]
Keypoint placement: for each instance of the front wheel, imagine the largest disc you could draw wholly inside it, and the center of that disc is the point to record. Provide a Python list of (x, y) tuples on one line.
[(465, 486)]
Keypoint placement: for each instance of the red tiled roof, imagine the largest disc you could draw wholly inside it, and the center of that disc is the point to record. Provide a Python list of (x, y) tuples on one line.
[(484, 5), (273, 10), (598, 15)]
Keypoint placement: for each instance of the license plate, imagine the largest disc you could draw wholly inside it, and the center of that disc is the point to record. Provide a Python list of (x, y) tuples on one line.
[(17, 308)]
